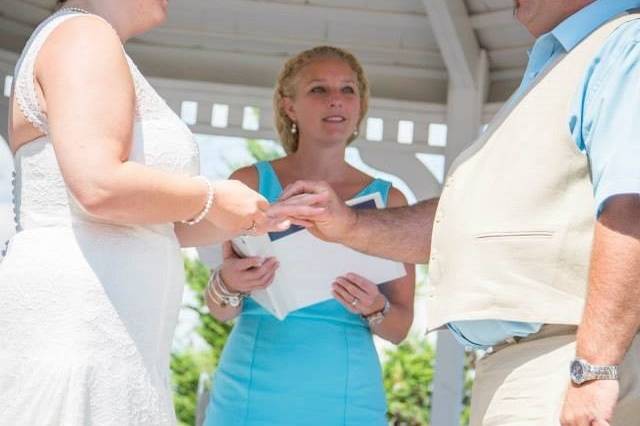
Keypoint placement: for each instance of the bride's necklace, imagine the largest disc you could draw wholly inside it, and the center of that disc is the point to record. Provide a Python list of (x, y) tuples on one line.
[(74, 9)]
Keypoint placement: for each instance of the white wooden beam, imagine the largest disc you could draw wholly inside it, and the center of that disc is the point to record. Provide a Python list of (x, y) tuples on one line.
[(194, 56), (464, 110), (498, 18), (309, 10), (507, 74), (265, 44), (458, 43)]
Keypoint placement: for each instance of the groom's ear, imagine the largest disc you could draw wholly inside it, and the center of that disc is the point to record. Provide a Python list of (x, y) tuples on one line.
[(289, 109)]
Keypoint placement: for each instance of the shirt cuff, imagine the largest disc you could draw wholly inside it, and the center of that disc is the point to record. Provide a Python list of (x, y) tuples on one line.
[(614, 187)]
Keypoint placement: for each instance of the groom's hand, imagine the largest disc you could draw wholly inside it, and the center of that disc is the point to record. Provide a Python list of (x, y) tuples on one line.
[(591, 404), (316, 206)]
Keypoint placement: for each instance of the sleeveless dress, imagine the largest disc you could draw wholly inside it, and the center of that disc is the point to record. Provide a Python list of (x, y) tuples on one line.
[(88, 308), (317, 367)]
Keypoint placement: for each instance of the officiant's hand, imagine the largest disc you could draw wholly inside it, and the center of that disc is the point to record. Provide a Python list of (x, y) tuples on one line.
[(316, 206), (358, 294), (244, 275)]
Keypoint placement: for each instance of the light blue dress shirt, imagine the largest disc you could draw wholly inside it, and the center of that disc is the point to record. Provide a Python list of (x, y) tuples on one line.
[(604, 122)]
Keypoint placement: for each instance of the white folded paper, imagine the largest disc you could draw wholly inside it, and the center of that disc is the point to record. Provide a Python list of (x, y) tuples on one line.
[(309, 266)]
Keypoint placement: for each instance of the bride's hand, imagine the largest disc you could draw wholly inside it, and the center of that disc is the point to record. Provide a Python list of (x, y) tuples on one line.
[(239, 209), (244, 275)]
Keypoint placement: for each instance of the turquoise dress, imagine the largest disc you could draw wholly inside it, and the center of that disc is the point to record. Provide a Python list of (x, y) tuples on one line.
[(317, 367)]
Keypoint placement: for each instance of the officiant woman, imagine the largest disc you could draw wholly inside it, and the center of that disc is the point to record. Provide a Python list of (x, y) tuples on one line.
[(318, 366)]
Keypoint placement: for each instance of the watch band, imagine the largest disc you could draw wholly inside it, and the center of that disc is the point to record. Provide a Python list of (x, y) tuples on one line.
[(604, 372), (377, 317), (582, 371)]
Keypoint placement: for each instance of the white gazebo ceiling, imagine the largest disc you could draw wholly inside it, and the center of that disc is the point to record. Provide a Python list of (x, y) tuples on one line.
[(246, 41)]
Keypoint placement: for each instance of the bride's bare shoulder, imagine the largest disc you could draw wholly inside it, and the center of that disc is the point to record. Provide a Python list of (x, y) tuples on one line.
[(81, 39)]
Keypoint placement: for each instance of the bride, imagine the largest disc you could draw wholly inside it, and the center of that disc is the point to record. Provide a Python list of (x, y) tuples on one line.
[(91, 283)]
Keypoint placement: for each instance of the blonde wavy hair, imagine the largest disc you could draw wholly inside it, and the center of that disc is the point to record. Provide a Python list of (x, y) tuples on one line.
[(285, 88)]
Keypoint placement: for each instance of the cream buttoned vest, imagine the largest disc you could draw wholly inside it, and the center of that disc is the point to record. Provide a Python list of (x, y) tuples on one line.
[(513, 229)]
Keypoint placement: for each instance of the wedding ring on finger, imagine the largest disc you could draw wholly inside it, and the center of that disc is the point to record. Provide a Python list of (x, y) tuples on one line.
[(252, 229), (354, 302)]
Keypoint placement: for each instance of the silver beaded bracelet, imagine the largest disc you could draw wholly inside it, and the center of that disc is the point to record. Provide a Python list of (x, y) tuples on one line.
[(207, 205)]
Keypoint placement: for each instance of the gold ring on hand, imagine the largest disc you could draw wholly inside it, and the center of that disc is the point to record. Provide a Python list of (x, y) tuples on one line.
[(252, 228)]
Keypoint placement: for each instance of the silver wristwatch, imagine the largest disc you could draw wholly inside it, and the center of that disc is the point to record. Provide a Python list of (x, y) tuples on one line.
[(582, 371), (377, 317)]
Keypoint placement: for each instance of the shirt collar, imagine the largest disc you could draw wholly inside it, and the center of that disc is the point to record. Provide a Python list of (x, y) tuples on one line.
[(578, 26)]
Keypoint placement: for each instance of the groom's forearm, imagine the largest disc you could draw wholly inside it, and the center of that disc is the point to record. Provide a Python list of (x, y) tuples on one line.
[(612, 317), (402, 234)]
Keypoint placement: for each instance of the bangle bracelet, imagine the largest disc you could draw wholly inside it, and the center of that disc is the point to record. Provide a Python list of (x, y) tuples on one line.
[(212, 294), (232, 299), (223, 287), (219, 293), (207, 205)]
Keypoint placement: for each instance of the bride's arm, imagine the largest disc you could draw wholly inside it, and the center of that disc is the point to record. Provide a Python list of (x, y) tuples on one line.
[(206, 233), (203, 234), (88, 95)]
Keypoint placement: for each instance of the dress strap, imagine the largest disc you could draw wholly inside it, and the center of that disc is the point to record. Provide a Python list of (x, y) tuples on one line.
[(24, 88), (380, 186), (268, 183)]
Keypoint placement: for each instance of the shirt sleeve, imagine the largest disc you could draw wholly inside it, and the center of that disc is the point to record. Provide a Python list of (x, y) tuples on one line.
[(605, 119)]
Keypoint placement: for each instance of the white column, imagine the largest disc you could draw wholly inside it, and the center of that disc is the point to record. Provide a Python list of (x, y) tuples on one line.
[(7, 227), (401, 161), (468, 70), (4, 113)]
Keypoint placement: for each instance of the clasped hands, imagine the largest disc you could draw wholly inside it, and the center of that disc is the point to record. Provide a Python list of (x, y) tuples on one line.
[(315, 206)]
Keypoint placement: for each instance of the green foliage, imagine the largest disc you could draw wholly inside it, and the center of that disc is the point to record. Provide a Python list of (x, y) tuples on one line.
[(186, 366), (212, 331), (261, 152), (407, 374)]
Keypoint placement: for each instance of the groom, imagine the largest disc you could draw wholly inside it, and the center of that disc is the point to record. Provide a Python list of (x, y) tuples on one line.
[(534, 245)]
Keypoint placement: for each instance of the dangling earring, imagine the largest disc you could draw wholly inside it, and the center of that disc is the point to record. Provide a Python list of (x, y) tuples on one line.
[(356, 133), (294, 128)]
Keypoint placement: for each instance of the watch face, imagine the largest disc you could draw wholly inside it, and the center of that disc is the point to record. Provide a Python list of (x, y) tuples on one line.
[(577, 371), (234, 301)]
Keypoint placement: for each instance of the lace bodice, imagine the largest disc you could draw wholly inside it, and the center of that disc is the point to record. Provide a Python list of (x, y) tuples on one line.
[(41, 198)]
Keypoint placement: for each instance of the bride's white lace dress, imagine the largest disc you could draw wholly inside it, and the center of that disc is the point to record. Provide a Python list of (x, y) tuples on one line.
[(88, 308)]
